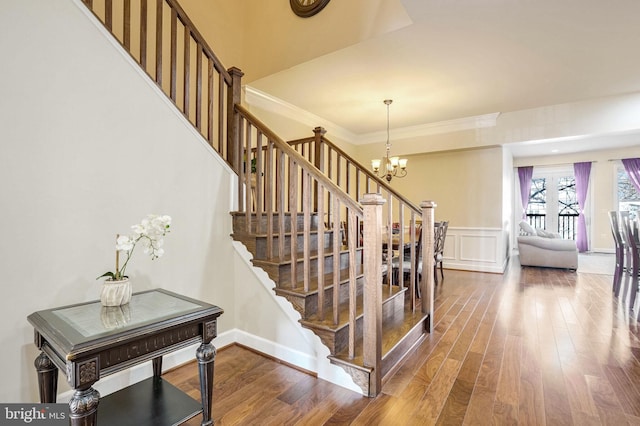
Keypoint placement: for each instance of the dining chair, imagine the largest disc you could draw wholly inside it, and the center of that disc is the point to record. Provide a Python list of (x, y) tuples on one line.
[(403, 266), (618, 240), (632, 241), (440, 230)]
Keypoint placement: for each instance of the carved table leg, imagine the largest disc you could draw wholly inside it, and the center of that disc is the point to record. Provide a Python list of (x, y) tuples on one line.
[(206, 355), (47, 378), (157, 366), (83, 407)]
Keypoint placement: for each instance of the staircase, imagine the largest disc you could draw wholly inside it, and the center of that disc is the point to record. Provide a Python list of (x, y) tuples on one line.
[(312, 217)]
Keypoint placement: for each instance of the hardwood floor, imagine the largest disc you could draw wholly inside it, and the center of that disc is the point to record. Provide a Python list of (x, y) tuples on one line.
[(531, 347)]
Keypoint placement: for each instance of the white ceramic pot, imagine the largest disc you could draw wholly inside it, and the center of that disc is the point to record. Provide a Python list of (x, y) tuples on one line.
[(115, 293)]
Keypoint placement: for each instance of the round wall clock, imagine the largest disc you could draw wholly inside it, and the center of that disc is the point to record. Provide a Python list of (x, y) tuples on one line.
[(307, 8)]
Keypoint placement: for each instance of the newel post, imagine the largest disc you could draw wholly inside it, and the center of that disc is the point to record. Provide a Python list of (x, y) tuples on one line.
[(372, 327), (427, 281), (234, 96)]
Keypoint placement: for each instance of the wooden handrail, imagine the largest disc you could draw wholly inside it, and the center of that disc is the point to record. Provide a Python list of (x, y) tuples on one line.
[(361, 168), (287, 149)]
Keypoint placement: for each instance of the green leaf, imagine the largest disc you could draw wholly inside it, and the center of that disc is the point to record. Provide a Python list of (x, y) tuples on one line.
[(107, 274)]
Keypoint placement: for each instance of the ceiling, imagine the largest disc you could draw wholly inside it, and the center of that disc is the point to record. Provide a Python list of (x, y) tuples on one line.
[(442, 60)]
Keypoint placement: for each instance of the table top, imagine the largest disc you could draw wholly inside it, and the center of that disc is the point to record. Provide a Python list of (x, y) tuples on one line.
[(84, 325)]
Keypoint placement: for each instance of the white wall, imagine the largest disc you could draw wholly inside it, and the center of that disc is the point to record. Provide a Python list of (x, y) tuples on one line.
[(89, 146)]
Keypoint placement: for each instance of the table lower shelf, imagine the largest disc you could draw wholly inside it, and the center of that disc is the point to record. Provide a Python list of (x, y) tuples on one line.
[(151, 402)]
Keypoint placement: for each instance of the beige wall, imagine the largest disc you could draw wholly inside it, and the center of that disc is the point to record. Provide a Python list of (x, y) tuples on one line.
[(466, 185), (217, 21)]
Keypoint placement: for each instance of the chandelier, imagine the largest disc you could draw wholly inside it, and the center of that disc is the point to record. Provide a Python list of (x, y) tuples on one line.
[(391, 166)]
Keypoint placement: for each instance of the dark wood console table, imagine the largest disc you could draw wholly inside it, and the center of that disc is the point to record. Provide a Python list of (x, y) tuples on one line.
[(88, 341)]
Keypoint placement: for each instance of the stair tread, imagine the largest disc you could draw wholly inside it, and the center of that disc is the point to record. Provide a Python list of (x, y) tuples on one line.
[(257, 235), (239, 213), (343, 314), (313, 255), (392, 332), (313, 283)]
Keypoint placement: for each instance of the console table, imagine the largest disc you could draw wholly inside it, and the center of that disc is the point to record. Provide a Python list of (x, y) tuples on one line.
[(88, 341)]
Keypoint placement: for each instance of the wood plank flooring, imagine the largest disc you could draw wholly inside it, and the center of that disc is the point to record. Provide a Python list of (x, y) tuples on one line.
[(531, 347)]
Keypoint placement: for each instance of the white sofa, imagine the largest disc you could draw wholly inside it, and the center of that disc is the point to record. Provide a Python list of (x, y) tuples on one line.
[(541, 248)]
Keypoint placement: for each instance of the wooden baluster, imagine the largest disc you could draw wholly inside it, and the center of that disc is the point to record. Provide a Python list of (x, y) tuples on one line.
[(347, 178), (221, 134), (335, 262), (321, 242), (389, 226), (159, 26), (210, 99), (174, 55), (187, 71), (257, 179), (280, 195), (414, 253), (199, 87), (330, 217), (126, 25), (143, 34), (401, 248), (108, 14), (353, 288), (246, 170), (306, 243), (268, 195), (293, 211)]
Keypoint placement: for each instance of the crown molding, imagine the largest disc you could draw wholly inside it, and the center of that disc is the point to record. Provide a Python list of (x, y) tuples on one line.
[(259, 99), (448, 126)]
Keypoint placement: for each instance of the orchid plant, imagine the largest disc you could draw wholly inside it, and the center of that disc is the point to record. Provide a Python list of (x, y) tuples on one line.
[(149, 233)]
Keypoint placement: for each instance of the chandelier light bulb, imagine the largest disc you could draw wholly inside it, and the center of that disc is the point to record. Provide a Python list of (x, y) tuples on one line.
[(394, 166)]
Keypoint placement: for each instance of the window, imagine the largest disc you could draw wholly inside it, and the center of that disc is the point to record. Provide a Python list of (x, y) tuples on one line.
[(628, 196), (553, 203), (537, 208)]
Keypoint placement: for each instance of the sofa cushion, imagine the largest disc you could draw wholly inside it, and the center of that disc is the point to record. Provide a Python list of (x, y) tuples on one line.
[(527, 228), (555, 244), (546, 234)]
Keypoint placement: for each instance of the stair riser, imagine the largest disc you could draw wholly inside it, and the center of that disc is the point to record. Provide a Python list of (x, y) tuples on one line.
[(341, 342), (281, 274), (261, 244), (308, 306), (239, 223)]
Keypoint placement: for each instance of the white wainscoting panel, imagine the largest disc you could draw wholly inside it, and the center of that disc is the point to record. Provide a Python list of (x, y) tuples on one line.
[(476, 249)]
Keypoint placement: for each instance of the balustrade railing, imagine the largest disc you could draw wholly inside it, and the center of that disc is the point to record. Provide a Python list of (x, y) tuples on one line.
[(161, 38), (279, 182), (354, 179)]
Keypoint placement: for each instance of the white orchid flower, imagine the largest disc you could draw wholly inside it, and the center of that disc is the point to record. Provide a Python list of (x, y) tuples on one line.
[(149, 233)]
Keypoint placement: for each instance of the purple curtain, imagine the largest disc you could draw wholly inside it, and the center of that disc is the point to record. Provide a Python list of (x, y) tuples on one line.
[(632, 166), (582, 172), (525, 174)]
